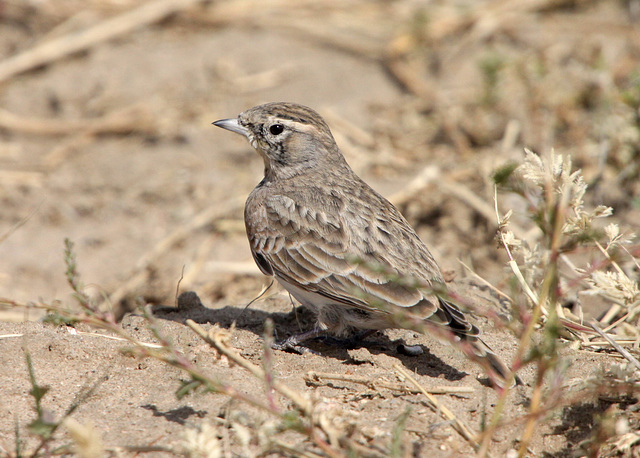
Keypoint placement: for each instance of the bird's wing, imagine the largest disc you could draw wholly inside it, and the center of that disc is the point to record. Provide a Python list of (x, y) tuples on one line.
[(320, 253), (348, 257)]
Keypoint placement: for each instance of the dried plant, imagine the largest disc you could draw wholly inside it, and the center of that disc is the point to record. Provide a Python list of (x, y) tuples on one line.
[(555, 202)]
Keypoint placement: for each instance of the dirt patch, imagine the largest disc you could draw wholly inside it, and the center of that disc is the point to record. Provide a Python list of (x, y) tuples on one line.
[(135, 403)]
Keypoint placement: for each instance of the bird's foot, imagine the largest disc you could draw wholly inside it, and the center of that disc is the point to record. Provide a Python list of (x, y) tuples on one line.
[(292, 345)]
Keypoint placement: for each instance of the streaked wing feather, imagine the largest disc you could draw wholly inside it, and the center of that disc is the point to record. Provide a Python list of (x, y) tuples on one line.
[(318, 252), (319, 269), (450, 315), (389, 291), (263, 263), (324, 260)]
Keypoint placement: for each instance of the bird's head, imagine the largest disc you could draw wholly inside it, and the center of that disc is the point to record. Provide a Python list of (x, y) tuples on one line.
[(292, 139)]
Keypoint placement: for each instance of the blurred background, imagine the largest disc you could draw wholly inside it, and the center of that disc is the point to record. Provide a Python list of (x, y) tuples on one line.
[(106, 138)]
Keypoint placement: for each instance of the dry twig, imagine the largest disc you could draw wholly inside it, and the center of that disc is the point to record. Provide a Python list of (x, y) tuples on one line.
[(616, 345), (134, 118), (315, 378), (60, 47), (423, 179), (216, 340), (437, 407)]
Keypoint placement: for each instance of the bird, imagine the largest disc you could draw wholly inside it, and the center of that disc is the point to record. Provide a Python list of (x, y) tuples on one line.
[(338, 246)]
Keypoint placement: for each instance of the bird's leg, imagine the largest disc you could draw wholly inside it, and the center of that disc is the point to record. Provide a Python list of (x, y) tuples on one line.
[(293, 342)]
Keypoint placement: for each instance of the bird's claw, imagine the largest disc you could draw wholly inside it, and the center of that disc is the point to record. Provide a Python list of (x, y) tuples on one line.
[(292, 345)]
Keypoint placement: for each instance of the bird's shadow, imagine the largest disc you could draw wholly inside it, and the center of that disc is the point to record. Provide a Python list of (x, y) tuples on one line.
[(179, 415), (302, 319)]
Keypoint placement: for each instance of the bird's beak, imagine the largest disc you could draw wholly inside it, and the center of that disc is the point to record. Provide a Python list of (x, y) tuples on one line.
[(232, 125)]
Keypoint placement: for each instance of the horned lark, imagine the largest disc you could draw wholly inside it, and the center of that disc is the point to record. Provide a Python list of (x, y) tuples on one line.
[(337, 245)]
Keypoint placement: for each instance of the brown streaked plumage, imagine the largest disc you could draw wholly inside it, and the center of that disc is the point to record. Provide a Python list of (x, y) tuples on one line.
[(333, 242)]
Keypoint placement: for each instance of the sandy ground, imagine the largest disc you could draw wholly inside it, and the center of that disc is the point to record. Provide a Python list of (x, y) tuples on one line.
[(163, 199), (135, 403)]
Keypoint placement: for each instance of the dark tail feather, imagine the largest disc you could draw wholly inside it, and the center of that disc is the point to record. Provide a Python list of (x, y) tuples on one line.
[(499, 372)]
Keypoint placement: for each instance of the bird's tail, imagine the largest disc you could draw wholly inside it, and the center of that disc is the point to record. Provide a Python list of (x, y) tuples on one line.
[(467, 335), (499, 372)]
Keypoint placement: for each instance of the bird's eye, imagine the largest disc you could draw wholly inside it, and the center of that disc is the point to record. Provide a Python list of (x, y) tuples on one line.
[(276, 129)]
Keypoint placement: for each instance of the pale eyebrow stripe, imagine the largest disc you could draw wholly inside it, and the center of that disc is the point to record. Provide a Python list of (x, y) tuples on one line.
[(299, 126), (297, 115)]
